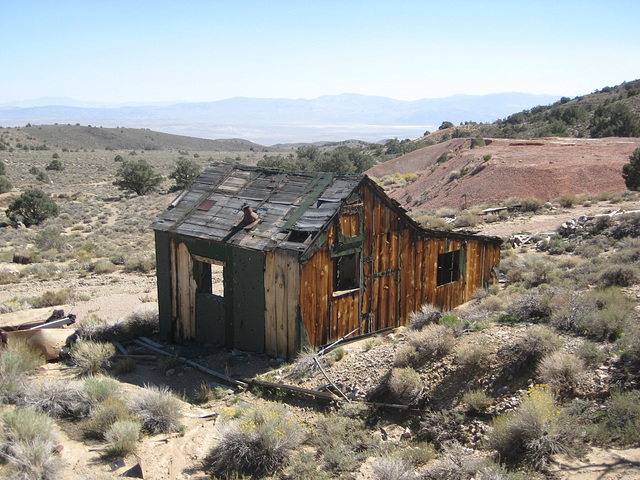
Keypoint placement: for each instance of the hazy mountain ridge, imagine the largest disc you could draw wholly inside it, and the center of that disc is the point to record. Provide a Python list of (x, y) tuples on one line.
[(279, 120)]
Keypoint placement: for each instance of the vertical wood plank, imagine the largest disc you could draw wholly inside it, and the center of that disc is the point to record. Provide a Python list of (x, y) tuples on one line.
[(270, 339)]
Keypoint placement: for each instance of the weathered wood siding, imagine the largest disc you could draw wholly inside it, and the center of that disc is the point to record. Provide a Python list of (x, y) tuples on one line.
[(398, 271)]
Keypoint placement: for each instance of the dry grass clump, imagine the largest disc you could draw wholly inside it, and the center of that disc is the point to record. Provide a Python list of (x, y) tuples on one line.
[(440, 427), (455, 463), (406, 385), (123, 438), (92, 357), (260, 443), (158, 409), (562, 371), (433, 341), (474, 357), (537, 342), (304, 364), (534, 431), (144, 321), (55, 397), (17, 361), (427, 315), (388, 468), (27, 439), (99, 330), (205, 393), (104, 415), (477, 400), (98, 389)]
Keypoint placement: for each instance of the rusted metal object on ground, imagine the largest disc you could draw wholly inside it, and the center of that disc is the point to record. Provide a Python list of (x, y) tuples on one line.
[(23, 258), (51, 337)]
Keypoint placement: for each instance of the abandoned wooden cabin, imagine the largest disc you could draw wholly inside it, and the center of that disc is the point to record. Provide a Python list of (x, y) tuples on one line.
[(306, 258)]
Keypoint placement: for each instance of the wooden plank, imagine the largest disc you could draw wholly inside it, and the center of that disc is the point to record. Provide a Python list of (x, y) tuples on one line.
[(281, 305), (293, 294), (270, 338)]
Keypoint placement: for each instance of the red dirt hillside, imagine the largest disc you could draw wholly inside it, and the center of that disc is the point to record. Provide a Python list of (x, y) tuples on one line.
[(545, 168)]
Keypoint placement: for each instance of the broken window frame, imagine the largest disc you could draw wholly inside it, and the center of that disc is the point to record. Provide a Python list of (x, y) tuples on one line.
[(448, 268), (203, 274), (346, 273)]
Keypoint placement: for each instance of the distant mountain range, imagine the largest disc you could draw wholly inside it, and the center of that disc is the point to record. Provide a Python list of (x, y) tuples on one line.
[(279, 120)]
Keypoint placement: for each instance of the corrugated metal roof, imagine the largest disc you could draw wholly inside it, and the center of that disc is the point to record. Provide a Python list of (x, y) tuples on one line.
[(284, 201)]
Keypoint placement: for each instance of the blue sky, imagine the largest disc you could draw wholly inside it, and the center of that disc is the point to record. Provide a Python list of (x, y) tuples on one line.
[(165, 51)]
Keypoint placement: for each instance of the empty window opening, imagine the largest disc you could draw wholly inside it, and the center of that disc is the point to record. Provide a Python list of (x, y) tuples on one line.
[(299, 236), (346, 270), (209, 276), (448, 267)]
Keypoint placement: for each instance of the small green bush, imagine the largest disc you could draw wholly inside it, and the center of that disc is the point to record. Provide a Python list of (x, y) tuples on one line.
[(99, 389), (123, 438), (52, 299), (105, 414), (531, 204), (477, 400), (591, 354)]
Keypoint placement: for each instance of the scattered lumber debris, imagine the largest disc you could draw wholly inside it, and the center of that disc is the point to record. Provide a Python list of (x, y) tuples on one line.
[(50, 337)]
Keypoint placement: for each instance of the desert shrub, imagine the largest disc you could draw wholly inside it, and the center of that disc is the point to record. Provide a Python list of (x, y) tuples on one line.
[(530, 271), (417, 453), (531, 307), (98, 389), (124, 366), (600, 314), (474, 357), (630, 343), (591, 353), (96, 329), (561, 371), (27, 440), (567, 200), (92, 357), (405, 385), (139, 264), (433, 341), (534, 431), (304, 364), (339, 353), (49, 238), (440, 427), (454, 463), (205, 393), (16, 362), (123, 438), (166, 362), (620, 275), (56, 398), (620, 422), (531, 204), (342, 443), (426, 315), (105, 414), (467, 219), (386, 468), (51, 299), (143, 322), (102, 267), (260, 443), (5, 184), (477, 400), (539, 341), (157, 408)]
